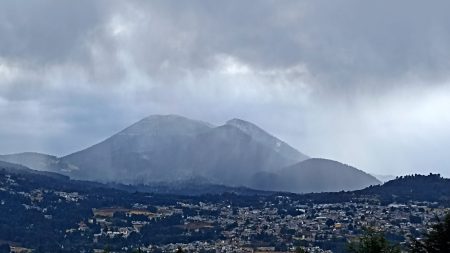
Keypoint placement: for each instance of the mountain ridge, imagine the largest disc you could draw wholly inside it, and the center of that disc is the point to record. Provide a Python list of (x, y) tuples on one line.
[(262, 136), (170, 148)]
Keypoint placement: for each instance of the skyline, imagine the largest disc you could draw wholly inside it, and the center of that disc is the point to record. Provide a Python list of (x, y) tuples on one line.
[(334, 80)]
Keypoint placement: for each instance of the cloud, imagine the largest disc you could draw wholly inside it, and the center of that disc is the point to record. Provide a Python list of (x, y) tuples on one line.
[(364, 83)]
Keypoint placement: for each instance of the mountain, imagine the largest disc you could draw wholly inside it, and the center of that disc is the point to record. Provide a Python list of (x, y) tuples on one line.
[(149, 150), (12, 166), (227, 155), (38, 161), (164, 148), (268, 140), (170, 149), (192, 187), (22, 170), (315, 175)]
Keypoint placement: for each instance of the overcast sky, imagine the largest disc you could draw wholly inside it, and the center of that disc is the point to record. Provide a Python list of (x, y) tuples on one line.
[(363, 82)]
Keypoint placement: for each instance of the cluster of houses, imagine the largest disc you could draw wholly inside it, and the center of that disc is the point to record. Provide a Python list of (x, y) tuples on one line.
[(280, 224), (269, 229)]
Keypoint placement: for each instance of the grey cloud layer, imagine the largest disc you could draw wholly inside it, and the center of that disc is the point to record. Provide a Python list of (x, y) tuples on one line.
[(317, 73), (337, 42)]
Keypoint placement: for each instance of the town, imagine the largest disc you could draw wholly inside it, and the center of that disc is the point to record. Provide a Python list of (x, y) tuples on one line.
[(226, 223), (269, 229)]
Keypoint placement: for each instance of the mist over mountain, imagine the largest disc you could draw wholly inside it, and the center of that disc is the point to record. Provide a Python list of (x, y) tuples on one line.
[(384, 178), (38, 161), (315, 175), (172, 148), (268, 140), (149, 150), (23, 170), (12, 166)]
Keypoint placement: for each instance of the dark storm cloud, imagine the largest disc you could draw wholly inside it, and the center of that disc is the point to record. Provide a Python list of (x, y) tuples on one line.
[(46, 32), (317, 73), (339, 43)]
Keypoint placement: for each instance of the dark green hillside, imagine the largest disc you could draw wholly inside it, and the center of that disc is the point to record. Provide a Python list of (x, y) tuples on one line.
[(431, 188)]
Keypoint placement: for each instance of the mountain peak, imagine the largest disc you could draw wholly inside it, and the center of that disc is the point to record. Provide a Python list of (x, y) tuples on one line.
[(171, 118), (253, 130), (165, 117), (240, 123), (267, 139), (169, 123)]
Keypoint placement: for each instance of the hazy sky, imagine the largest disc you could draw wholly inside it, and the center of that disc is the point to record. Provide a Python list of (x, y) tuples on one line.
[(363, 82)]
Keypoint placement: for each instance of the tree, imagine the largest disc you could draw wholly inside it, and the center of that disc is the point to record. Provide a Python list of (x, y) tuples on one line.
[(372, 242), (107, 249), (300, 250), (329, 222), (437, 240)]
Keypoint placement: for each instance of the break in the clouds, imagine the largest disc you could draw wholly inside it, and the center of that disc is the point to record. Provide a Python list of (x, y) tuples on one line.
[(366, 83)]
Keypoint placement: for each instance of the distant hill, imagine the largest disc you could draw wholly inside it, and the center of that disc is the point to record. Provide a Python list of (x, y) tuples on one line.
[(22, 170), (432, 187), (186, 187), (38, 161), (11, 167), (429, 188), (315, 175), (170, 149)]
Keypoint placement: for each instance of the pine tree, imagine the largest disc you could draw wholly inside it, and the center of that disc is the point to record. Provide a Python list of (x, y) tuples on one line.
[(372, 242)]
